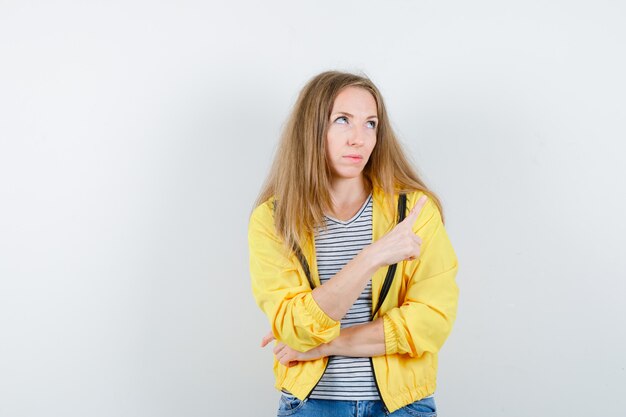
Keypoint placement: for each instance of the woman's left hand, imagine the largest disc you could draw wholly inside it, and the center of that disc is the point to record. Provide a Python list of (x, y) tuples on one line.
[(290, 357)]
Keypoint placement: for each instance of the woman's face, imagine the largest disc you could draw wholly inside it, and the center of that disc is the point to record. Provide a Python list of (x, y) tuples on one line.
[(352, 132)]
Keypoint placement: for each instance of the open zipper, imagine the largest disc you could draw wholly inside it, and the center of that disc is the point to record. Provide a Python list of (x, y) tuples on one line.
[(391, 272), (378, 388)]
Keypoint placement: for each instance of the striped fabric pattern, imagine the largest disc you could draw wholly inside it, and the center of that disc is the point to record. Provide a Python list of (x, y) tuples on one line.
[(346, 378)]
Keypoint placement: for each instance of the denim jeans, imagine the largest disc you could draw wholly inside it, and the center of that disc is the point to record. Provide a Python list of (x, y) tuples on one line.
[(292, 406)]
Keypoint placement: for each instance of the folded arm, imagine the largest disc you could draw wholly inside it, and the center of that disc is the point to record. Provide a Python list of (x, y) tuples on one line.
[(362, 340)]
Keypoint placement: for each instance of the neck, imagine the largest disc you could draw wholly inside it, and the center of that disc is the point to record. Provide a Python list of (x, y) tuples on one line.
[(345, 192)]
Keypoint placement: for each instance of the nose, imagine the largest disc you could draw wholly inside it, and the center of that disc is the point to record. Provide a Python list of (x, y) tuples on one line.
[(356, 137)]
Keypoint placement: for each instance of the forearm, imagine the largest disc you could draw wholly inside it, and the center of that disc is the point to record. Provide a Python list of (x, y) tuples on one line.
[(364, 341), (336, 296)]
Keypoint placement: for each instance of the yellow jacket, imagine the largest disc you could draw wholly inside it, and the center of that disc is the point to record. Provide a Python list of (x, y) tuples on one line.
[(418, 312)]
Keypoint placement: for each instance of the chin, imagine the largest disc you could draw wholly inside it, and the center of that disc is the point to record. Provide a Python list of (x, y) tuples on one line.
[(349, 174)]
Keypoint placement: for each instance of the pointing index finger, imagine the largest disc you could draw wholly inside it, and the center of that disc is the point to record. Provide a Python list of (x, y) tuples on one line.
[(416, 210)]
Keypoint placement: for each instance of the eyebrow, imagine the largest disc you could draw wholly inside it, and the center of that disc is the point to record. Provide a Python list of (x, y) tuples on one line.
[(350, 115)]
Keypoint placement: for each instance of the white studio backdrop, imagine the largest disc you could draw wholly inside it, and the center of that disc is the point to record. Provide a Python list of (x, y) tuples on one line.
[(135, 135)]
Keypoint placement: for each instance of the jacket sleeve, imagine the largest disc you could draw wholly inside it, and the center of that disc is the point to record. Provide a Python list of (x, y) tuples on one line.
[(424, 320), (282, 290)]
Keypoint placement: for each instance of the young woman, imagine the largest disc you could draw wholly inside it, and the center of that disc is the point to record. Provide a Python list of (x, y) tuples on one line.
[(323, 236)]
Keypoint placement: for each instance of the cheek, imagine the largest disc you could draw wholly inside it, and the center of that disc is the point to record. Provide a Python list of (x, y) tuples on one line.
[(332, 144), (372, 145)]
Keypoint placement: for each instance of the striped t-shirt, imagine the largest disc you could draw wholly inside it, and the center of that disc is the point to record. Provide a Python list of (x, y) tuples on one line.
[(346, 378)]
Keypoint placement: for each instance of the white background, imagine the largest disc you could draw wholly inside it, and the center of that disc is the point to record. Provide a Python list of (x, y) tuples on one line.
[(134, 136)]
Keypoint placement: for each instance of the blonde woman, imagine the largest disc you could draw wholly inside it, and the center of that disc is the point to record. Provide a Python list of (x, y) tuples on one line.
[(359, 291)]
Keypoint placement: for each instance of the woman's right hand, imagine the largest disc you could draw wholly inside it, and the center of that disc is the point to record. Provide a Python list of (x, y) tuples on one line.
[(400, 243)]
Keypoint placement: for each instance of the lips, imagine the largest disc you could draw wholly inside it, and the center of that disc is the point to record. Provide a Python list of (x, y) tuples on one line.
[(354, 157)]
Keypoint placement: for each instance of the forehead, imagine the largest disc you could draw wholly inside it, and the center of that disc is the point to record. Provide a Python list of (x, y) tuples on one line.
[(355, 100)]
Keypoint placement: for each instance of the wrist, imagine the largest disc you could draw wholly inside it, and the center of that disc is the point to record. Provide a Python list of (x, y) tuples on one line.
[(325, 349), (371, 259), (328, 349)]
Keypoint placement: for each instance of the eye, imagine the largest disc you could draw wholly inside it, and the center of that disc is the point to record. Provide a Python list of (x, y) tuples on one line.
[(341, 118), (372, 124)]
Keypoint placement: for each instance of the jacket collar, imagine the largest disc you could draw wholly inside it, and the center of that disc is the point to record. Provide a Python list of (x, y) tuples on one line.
[(381, 205)]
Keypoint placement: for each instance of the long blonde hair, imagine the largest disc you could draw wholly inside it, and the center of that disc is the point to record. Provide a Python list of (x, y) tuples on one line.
[(300, 176)]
